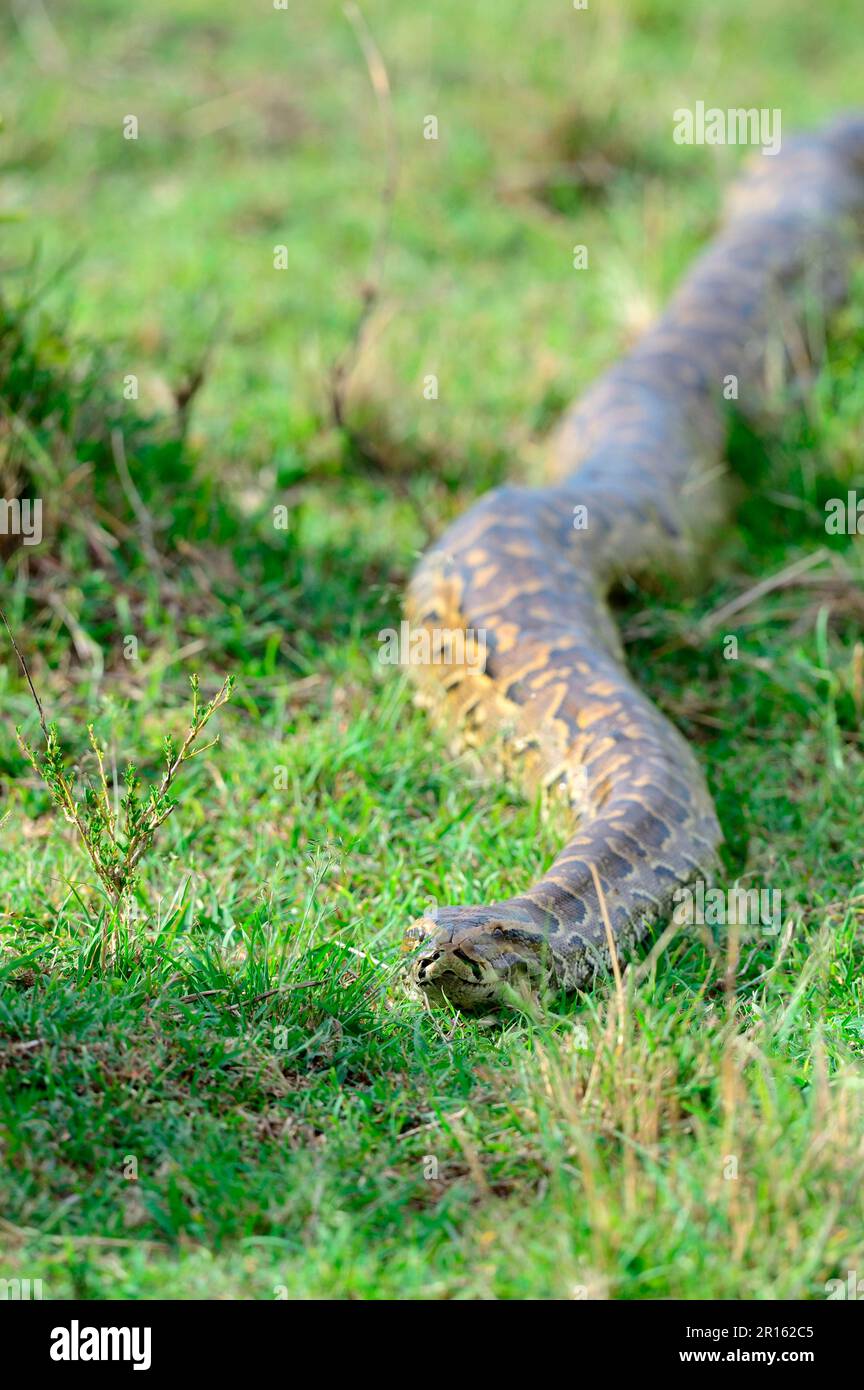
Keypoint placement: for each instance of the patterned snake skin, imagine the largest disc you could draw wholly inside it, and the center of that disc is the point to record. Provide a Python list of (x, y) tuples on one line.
[(643, 452)]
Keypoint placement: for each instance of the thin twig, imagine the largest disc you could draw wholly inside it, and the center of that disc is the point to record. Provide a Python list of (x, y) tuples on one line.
[(469, 1149), (133, 497), (780, 580), (23, 664), (40, 35), (370, 290), (23, 1232), (268, 994)]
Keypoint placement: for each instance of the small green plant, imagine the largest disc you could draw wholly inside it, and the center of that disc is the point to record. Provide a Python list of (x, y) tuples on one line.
[(115, 841)]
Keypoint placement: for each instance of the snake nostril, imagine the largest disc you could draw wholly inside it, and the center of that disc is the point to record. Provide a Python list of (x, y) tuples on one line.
[(424, 963)]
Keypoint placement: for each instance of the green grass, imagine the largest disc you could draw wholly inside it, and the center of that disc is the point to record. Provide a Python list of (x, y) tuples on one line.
[(249, 1102)]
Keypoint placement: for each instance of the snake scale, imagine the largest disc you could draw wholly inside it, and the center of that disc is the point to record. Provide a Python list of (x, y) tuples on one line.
[(643, 453)]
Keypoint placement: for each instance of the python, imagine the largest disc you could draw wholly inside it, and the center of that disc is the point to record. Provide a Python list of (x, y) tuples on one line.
[(643, 451)]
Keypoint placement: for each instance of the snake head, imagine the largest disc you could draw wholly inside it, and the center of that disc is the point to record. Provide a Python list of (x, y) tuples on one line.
[(477, 957)]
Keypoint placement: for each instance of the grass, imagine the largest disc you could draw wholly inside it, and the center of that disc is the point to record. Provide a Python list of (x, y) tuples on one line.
[(248, 1104)]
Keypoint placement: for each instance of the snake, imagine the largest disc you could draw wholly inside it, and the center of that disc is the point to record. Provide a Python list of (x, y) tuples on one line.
[(640, 487)]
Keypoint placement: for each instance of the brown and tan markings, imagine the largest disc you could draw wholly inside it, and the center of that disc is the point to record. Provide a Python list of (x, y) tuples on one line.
[(643, 451)]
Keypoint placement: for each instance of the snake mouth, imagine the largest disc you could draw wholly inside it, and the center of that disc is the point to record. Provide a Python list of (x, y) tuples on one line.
[(451, 976)]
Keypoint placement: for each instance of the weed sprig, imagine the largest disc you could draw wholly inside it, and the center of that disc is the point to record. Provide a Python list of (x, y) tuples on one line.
[(115, 840)]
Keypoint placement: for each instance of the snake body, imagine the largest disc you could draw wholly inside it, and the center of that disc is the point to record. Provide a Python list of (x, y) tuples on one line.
[(642, 454)]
